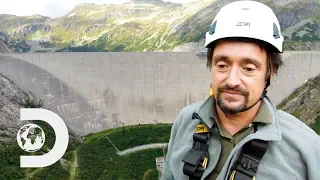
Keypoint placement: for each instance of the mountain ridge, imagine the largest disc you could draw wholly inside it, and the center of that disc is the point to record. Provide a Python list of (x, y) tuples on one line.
[(147, 25)]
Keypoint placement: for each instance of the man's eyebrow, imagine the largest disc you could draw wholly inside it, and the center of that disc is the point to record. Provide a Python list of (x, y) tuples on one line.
[(220, 58), (243, 60)]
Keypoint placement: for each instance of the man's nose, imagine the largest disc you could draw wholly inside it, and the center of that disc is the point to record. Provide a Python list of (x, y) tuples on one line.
[(233, 79)]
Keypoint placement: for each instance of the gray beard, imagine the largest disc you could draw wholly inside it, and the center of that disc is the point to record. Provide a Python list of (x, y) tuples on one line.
[(228, 110)]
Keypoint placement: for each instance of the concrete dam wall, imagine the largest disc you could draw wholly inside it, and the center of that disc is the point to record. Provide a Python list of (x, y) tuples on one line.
[(97, 91)]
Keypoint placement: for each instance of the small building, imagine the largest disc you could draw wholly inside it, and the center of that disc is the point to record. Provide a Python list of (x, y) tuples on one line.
[(159, 164)]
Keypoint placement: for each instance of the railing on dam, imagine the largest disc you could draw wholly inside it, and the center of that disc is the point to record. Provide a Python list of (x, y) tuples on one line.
[(97, 91)]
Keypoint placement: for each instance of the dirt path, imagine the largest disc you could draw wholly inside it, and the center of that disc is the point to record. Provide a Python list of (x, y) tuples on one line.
[(142, 147), (113, 144), (146, 174), (31, 174), (74, 165), (164, 151)]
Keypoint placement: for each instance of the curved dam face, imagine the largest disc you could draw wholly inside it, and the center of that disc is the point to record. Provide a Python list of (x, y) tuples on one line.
[(97, 91)]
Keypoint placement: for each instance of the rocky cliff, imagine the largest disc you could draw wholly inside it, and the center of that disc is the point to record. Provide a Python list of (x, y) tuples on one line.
[(4, 48), (304, 102), (12, 98)]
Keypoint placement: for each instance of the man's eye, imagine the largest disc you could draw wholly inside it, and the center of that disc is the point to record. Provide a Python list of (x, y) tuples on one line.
[(248, 69), (221, 66)]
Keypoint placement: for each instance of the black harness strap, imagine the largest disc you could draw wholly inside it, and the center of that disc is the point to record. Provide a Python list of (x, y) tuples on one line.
[(247, 164), (196, 160)]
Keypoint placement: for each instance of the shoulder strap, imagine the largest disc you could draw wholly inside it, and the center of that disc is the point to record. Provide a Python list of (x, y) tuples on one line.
[(196, 160), (247, 164)]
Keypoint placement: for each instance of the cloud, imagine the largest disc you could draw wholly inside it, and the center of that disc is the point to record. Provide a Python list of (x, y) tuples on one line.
[(51, 8), (180, 1), (19, 7)]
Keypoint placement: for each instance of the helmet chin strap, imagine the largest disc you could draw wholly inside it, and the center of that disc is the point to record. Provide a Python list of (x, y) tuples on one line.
[(264, 93)]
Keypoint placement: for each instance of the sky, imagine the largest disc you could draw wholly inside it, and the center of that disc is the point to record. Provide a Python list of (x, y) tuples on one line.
[(53, 8)]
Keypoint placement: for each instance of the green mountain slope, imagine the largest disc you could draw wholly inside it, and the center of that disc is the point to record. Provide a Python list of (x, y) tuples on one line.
[(147, 25), (96, 158), (304, 103)]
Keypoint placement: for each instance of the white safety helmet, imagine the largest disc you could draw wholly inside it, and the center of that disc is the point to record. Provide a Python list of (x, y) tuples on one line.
[(246, 19)]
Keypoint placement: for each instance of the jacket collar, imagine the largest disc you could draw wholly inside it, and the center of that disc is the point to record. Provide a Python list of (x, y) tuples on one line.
[(266, 131)]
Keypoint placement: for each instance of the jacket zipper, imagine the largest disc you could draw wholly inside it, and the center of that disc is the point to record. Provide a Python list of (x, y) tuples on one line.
[(227, 173)]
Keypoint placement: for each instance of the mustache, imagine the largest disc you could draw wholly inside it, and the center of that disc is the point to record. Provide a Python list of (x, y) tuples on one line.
[(235, 89)]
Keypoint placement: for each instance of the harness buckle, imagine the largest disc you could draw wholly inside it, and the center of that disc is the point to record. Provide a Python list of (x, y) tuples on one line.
[(239, 175), (247, 164), (204, 163), (196, 161)]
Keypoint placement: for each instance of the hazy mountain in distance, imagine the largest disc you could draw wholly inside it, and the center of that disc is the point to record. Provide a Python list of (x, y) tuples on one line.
[(148, 25)]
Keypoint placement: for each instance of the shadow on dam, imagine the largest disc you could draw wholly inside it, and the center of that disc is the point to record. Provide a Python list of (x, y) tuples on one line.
[(91, 98), (97, 91), (56, 95)]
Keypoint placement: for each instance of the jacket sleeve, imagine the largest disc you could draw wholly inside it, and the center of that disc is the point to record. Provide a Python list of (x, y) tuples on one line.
[(166, 171), (313, 161)]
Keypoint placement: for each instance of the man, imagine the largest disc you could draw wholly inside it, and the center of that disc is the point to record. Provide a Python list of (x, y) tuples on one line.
[(237, 133)]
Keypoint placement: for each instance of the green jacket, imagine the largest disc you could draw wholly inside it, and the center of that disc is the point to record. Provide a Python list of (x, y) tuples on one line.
[(293, 152)]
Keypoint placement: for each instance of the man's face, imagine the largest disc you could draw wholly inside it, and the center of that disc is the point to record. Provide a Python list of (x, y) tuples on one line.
[(238, 74)]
